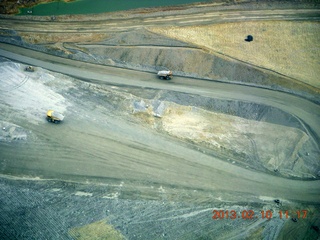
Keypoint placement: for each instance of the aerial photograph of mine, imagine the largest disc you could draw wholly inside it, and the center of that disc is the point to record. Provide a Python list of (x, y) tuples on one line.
[(145, 119)]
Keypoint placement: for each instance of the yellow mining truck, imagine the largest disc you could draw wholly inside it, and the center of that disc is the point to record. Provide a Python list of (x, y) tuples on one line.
[(55, 117)]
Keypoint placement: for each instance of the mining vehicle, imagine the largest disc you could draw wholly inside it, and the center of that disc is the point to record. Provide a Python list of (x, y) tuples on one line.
[(29, 69), (165, 74), (55, 117)]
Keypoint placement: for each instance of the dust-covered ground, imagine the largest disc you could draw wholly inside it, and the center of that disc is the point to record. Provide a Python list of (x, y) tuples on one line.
[(140, 158), (133, 163), (203, 41), (253, 134), (84, 211)]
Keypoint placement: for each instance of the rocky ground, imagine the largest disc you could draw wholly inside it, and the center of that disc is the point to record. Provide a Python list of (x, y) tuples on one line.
[(121, 202), (214, 49), (140, 158), (81, 211)]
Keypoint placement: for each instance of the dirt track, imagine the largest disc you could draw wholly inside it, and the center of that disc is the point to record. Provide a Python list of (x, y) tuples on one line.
[(145, 182), (147, 42)]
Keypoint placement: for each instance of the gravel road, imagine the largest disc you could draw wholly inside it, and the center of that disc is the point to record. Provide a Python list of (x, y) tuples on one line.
[(97, 144), (104, 173)]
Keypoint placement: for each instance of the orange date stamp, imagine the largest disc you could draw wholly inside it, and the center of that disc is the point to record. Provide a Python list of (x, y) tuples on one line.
[(263, 214)]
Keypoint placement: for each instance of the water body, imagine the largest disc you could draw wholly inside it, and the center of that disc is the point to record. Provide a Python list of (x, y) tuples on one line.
[(98, 6)]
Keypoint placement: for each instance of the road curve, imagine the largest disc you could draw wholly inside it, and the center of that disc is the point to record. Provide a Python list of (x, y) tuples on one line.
[(226, 176), (306, 111)]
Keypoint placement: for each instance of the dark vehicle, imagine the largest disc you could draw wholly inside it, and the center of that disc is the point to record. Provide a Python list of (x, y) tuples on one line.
[(29, 69)]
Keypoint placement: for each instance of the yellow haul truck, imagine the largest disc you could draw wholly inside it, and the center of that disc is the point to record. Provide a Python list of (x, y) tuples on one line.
[(55, 117)]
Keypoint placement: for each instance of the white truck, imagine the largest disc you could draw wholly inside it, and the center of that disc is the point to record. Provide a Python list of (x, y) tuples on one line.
[(165, 74)]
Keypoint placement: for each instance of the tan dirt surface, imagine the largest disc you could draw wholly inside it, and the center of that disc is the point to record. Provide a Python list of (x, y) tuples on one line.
[(141, 158), (291, 48), (95, 231)]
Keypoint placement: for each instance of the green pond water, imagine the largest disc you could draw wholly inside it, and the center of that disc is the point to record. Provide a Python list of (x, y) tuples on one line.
[(98, 6)]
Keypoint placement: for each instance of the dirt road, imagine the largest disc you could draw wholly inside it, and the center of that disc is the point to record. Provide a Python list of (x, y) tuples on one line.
[(206, 16), (118, 159), (303, 109), (88, 135), (107, 170)]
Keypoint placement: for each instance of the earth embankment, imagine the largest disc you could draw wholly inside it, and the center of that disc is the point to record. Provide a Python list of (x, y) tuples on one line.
[(282, 56), (141, 158)]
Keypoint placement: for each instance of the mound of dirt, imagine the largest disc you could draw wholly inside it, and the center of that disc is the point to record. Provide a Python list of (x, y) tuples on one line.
[(255, 137), (282, 56), (141, 49), (241, 62)]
